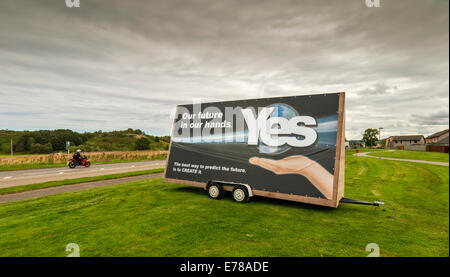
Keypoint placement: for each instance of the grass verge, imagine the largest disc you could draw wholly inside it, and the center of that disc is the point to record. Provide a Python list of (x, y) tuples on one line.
[(415, 155), (76, 181), (30, 166)]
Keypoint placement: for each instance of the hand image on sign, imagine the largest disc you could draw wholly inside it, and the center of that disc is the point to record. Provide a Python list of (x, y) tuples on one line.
[(302, 165)]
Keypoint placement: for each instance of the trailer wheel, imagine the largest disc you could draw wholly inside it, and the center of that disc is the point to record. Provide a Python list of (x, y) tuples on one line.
[(240, 194), (215, 191)]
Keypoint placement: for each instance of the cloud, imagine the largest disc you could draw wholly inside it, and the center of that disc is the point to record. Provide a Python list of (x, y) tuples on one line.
[(128, 63), (377, 89), (438, 118)]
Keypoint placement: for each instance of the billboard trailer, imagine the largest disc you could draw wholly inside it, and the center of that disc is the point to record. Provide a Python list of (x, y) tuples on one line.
[(290, 148)]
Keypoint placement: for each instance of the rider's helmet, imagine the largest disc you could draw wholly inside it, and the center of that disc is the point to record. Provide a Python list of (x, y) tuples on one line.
[(78, 150)]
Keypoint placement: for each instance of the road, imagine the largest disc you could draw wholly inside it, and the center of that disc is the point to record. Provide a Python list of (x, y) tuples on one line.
[(13, 197), (32, 176), (365, 154)]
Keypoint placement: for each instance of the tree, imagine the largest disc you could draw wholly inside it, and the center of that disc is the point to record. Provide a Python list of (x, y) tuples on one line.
[(142, 144), (37, 148), (19, 146), (383, 143), (370, 137), (58, 139), (30, 141), (40, 141)]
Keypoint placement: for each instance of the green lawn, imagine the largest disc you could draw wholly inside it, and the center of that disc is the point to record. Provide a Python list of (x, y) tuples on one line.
[(414, 155), (365, 150), (16, 189), (153, 218), (30, 166)]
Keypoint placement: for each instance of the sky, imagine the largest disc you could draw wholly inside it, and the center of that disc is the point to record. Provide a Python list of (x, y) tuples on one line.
[(112, 64)]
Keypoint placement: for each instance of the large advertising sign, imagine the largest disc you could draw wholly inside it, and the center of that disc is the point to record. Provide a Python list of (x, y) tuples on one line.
[(289, 148)]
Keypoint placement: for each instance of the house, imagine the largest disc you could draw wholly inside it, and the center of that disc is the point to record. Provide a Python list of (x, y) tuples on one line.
[(401, 141), (356, 143), (439, 136), (439, 146), (443, 141)]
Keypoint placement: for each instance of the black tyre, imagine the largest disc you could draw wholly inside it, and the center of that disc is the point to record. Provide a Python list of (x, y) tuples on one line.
[(215, 191), (72, 164), (240, 194), (88, 164)]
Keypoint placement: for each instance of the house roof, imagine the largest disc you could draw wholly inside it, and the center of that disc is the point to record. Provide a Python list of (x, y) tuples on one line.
[(356, 142), (437, 134), (409, 137), (443, 141)]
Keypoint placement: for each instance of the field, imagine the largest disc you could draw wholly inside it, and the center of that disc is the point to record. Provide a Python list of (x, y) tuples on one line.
[(414, 155), (60, 159), (153, 218)]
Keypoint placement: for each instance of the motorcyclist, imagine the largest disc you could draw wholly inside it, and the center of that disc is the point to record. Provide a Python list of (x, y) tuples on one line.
[(77, 156)]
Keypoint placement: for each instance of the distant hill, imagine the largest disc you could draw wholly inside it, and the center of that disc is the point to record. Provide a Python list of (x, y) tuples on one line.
[(48, 141)]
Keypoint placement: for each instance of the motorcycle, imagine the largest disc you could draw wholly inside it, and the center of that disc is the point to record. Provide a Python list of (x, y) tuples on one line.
[(84, 162)]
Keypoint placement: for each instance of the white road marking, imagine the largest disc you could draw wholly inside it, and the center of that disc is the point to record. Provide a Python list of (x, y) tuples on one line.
[(133, 166), (9, 177), (62, 172), (102, 168)]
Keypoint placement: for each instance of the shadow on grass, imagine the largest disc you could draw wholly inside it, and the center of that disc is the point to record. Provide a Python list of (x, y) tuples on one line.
[(256, 199)]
